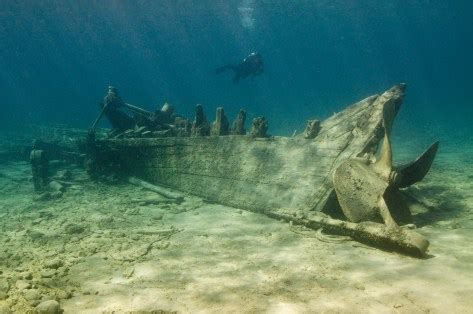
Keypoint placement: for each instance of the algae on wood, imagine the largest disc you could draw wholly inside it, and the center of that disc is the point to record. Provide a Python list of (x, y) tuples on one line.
[(257, 173)]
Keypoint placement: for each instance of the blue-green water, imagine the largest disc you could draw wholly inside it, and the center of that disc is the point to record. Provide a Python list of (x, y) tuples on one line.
[(58, 57), (98, 244)]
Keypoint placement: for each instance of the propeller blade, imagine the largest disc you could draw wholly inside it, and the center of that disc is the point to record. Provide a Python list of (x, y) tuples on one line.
[(415, 171)]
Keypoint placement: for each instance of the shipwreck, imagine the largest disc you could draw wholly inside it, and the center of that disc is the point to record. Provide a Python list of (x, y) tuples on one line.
[(337, 176)]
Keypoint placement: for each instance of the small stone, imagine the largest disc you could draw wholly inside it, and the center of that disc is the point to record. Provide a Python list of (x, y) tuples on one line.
[(48, 307), (64, 295), (48, 282), (47, 273), (23, 284), (61, 272), (27, 275), (32, 294), (54, 264)]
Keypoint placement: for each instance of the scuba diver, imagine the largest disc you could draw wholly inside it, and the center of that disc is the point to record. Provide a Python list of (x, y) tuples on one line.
[(251, 65)]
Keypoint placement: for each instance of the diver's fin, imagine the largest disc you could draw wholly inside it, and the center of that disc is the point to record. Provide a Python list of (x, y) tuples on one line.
[(224, 68), (415, 171)]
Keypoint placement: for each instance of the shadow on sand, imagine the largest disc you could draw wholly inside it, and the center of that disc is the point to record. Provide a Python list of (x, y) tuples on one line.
[(434, 203)]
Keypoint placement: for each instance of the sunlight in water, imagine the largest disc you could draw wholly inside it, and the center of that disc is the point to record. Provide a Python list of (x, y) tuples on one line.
[(246, 14)]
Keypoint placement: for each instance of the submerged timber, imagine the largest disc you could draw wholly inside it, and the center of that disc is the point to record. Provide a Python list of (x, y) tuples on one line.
[(290, 178)]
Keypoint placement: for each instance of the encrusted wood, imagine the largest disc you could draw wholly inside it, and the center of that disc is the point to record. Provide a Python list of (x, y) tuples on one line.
[(259, 174)]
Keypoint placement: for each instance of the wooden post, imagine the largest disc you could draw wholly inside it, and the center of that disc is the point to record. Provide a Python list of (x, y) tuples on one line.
[(220, 126), (200, 126), (238, 126)]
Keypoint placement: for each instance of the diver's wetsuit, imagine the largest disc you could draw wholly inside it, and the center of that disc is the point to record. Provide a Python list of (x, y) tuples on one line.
[(251, 65)]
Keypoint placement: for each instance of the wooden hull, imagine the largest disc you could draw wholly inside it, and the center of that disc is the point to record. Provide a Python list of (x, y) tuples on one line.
[(258, 174)]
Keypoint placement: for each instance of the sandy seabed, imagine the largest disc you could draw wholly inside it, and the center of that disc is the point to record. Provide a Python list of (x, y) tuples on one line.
[(118, 248)]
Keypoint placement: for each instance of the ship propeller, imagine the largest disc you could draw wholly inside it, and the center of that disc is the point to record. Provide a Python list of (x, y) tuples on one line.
[(369, 191)]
